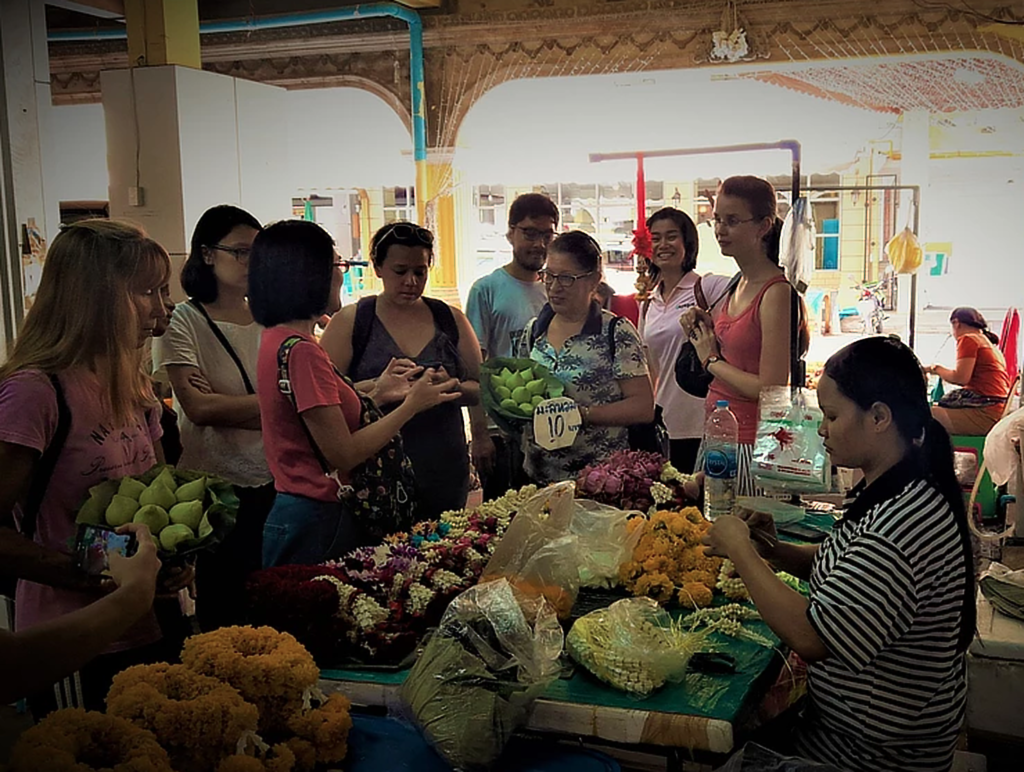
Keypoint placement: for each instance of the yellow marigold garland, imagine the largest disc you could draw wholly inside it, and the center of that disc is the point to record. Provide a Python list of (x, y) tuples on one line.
[(326, 727), (63, 741), (279, 759), (669, 562), (197, 719), (271, 670)]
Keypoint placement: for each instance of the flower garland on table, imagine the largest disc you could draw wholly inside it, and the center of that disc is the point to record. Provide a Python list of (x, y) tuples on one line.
[(73, 740), (376, 602), (728, 620), (668, 562), (633, 479)]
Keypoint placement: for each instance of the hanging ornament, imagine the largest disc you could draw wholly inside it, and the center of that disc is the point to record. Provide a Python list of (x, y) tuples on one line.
[(642, 249)]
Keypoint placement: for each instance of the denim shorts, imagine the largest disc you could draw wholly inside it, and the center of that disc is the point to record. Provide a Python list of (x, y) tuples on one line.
[(304, 531)]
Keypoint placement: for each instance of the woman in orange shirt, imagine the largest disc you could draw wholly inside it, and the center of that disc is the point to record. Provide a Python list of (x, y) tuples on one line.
[(980, 369)]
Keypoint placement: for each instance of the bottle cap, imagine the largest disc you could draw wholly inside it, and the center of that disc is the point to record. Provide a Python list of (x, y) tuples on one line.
[(722, 403)]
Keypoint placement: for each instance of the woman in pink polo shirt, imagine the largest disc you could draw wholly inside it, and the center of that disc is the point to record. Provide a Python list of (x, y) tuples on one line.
[(77, 367), (745, 346)]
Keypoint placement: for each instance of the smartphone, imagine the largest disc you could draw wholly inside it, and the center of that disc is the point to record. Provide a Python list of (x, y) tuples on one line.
[(802, 532), (95, 543)]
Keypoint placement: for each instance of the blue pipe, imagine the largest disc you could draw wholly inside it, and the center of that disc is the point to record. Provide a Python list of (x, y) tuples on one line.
[(368, 11)]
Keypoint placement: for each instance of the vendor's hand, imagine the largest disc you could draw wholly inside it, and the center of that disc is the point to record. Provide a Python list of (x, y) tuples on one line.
[(427, 393), (199, 382), (174, 579), (482, 451), (691, 316), (704, 341), (139, 572), (395, 383), (725, 535), (930, 369), (693, 489), (762, 530)]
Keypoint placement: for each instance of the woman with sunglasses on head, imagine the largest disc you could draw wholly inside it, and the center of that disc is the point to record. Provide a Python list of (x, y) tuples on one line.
[(597, 355), (745, 346), (76, 409), (209, 352), (402, 326), (891, 610), (320, 434)]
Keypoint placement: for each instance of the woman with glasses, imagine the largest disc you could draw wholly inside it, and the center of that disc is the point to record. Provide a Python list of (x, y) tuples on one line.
[(400, 325), (210, 351), (597, 355), (746, 345)]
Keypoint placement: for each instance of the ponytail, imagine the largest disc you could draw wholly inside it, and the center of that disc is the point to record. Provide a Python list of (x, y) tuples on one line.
[(935, 459), (772, 241), (992, 337)]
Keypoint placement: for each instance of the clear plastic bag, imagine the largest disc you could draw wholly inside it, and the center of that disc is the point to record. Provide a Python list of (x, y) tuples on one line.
[(796, 245), (789, 454), (539, 554), (633, 645), (604, 541), (494, 652)]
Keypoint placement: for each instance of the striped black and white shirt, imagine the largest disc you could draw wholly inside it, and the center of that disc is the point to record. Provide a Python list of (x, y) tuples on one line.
[(886, 595)]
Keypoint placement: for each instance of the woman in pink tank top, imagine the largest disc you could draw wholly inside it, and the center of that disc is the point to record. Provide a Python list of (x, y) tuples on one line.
[(746, 345)]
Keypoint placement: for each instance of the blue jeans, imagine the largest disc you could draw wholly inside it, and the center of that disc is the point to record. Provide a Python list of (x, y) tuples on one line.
[(304, 531)]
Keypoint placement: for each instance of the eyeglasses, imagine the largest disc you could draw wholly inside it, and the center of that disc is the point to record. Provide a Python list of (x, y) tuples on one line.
[(731, 221), (404, 232), (532, 234), (241, 254), (564, 279)]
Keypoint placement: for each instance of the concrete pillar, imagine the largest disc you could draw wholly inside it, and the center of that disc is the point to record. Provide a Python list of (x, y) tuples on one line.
[(181, 140), (163, 32), (916, 150), (25, 98)]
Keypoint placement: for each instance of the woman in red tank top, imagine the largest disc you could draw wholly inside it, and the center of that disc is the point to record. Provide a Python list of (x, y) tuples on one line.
[(746, 345)]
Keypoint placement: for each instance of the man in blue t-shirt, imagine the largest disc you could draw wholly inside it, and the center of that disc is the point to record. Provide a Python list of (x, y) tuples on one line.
[(499, 307)]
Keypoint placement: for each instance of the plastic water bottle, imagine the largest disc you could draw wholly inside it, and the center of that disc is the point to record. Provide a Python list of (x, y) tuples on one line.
[(721, 437)]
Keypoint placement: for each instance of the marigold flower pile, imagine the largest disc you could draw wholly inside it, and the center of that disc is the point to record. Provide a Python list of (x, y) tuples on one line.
[(669, 562), (376, 603), (245, 700)]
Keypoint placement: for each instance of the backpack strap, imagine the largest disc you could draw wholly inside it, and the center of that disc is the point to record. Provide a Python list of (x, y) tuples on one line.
[(611, 337), (284, 385), (47, 463), (219, 334), (366, 311), (443, 318)]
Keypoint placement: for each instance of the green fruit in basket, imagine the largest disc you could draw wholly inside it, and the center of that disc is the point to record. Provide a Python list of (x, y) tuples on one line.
[(526, 375), (158, 494), (513, 382), (173, 535), (103, 493), (193, 491), (131, 488), (497, 381), (536, 399), (153, 517), (520, 395), (505, 373), (92, 511), (166, 478), (188, 513), (121, 510), (536, 386), (509, 404), (526, 409), (502, 392)]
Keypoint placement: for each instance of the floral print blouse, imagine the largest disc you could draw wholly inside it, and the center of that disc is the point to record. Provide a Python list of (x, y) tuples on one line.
[(590, 374)]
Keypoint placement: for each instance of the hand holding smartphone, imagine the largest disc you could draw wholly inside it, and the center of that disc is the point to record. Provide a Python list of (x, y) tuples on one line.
[(95, 543)]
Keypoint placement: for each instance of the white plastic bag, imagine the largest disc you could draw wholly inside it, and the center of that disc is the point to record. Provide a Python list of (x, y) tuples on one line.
[(604, 541), (1001, 457), (796, 245), (789, 454)]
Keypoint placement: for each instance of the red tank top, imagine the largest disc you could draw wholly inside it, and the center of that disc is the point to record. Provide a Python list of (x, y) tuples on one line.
[(739, 338)]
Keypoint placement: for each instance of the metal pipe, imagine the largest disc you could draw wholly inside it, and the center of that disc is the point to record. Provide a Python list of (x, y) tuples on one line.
[(368, 11)]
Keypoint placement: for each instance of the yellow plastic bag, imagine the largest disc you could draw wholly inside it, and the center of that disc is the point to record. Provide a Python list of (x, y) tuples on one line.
[(905, 252)]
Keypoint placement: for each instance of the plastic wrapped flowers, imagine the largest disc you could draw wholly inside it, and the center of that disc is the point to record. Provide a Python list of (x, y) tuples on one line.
[(669, 563), (245, 700)]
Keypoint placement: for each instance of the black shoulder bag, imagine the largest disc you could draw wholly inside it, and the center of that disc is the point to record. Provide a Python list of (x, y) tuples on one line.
[(690, 373)]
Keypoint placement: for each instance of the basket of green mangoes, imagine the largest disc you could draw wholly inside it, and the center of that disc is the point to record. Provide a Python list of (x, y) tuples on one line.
[(511, 389), (186, 511)]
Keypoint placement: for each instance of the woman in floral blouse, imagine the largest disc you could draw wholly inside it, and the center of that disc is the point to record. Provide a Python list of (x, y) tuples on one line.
[(597, 355)]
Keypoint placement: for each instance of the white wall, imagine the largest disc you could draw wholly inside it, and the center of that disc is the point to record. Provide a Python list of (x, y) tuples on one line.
[(79, 146)]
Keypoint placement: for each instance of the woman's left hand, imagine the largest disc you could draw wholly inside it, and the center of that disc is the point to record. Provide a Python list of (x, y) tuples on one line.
[(704, 340), (173, 579), (725, 535)]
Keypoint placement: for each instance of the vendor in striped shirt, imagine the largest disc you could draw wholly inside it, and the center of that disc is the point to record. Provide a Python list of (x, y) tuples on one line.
[(891, 608)]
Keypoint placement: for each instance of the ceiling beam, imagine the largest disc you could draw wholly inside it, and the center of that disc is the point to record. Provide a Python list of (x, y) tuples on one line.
[(104, 9)]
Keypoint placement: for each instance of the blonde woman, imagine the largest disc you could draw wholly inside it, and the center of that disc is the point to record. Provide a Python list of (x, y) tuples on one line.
[(75, 409)]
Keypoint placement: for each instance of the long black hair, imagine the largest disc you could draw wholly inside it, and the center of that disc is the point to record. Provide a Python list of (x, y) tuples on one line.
[(197, 277), (972, 318), (882, 369)]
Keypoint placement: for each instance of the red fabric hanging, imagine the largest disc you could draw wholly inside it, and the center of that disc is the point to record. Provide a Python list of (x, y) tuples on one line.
[(641, 236)]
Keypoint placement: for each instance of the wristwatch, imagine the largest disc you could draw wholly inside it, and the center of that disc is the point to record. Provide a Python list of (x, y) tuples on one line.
[(711, 360)]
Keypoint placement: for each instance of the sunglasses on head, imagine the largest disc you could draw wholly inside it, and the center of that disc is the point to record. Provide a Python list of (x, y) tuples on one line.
[(406, 232)]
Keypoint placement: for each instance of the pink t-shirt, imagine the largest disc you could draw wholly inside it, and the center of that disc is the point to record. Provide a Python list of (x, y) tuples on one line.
[(739, 338), (94, 451), (314, 384)]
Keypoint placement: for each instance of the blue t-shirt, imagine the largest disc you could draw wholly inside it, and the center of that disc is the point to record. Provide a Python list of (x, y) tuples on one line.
[(499, 307)]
